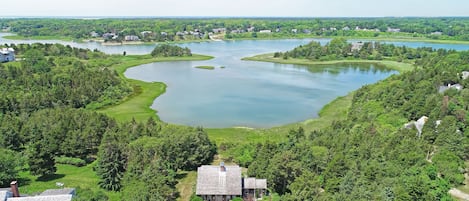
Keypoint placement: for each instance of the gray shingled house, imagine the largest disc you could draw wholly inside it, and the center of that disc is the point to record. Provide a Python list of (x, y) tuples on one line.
[(223, 183)]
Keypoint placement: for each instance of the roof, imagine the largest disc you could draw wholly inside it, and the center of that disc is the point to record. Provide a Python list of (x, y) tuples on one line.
[(63, 191), (4, 195), (253, 183), (212, 181), (43, 198)]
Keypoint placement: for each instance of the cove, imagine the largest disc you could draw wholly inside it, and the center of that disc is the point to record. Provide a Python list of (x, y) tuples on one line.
[(248, 93)]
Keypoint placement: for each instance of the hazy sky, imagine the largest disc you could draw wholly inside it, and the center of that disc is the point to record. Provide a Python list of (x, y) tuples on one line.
[(287, 8)]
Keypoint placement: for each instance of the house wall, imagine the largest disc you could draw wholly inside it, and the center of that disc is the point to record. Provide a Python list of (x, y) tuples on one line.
[(217, 197)]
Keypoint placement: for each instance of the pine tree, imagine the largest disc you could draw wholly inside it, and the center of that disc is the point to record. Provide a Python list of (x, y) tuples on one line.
[(111, 163)]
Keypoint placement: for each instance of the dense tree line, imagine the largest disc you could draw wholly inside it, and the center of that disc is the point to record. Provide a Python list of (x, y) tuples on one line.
[(370, 155), (169, 29), (142, 160), (165, 50), (46, 115), (53, 75), (340, 49)]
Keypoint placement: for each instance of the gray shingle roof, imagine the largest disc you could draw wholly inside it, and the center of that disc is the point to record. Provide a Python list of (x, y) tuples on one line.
[(4, 195), (43, 198), (211, 181), (63, 191), (253, 183)]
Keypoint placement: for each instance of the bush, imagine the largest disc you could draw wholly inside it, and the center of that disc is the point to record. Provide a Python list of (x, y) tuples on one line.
[(70, 161)]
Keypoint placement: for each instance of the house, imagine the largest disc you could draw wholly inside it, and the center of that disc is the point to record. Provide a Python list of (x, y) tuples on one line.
[(250, 29), (265, 31), (346, 28), (146, 33), (7, 54), (224, 183), (306, 31), (393, 30), (443, 88), (357, 46), (437, 33), (131, 38), (219, 30), (254, 188), (294, 30), (110, 35), (93, 34), (13, 194), (465, 75)]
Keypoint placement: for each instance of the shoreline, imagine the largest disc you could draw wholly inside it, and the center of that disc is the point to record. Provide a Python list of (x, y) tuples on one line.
[(14, 36), (399, 66)]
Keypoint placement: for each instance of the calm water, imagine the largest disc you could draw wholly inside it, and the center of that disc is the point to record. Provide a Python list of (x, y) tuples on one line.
[(245, 93)]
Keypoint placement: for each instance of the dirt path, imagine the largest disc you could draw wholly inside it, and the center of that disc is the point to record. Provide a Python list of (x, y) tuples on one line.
[(459, 194)]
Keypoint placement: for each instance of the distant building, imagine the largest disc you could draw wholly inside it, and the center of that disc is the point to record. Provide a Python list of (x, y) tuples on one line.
[(437, 33), (219, 30), (94, 34), (333, 29), (6, 55), (265, 31), (146, 33), (131, 38), (346, 28), (250, 29), (306, 31), (224, 183), (12, 194), (110, 35), (395, 30), (357, 46), (465, 75), (294, 30), (443, 88)]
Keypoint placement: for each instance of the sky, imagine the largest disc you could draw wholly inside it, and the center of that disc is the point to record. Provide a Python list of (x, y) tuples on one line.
[(237, 8)]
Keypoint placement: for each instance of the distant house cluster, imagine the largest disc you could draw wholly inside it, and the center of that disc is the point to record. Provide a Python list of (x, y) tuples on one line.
[(12, 194), (7, 54), (224, 183)]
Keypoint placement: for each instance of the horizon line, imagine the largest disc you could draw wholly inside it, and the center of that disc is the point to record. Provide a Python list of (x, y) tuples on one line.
[(205, 17)]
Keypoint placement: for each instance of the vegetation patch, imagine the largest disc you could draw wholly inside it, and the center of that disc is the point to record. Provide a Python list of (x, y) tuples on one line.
[(206, 67)]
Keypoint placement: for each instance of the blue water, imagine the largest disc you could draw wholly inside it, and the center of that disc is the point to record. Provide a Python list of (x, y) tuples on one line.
[(246, 93)]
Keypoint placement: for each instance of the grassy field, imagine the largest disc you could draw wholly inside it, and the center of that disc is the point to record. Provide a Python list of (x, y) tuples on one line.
[(399, 66)]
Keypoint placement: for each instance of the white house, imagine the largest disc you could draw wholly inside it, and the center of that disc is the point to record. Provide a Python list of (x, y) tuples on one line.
[(7, 54), (131, 38), (265, 31), (12, 194)]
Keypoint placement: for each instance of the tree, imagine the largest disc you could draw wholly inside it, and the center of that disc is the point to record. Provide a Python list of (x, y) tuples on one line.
[(111, 162), (41, 159), (10, 164)]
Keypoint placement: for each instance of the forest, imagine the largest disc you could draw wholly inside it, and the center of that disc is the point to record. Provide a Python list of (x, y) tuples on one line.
[(180, 29), (48, 117)]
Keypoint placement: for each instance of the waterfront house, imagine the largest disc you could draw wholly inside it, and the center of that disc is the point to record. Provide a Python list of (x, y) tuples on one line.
[(224, 183), (265, 31), (131, 38), (7, 54)]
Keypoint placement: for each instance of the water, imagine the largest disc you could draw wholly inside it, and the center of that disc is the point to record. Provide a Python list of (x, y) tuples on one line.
[(246, 93)]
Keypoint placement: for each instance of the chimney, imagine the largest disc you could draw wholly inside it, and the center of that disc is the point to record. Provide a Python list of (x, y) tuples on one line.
[(222, 167), (14, 189)]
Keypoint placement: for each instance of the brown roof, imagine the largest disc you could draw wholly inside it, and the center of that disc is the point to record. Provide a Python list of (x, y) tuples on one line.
[(212, 181), (253, 183)]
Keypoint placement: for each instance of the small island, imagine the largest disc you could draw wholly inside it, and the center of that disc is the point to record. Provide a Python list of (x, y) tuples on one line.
[(206, 67)]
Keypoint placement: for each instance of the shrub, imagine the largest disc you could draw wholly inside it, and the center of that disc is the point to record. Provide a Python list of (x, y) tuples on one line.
[(70, 161)]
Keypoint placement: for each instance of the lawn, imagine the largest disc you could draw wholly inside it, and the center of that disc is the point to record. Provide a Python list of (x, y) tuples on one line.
[(70, 176)]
